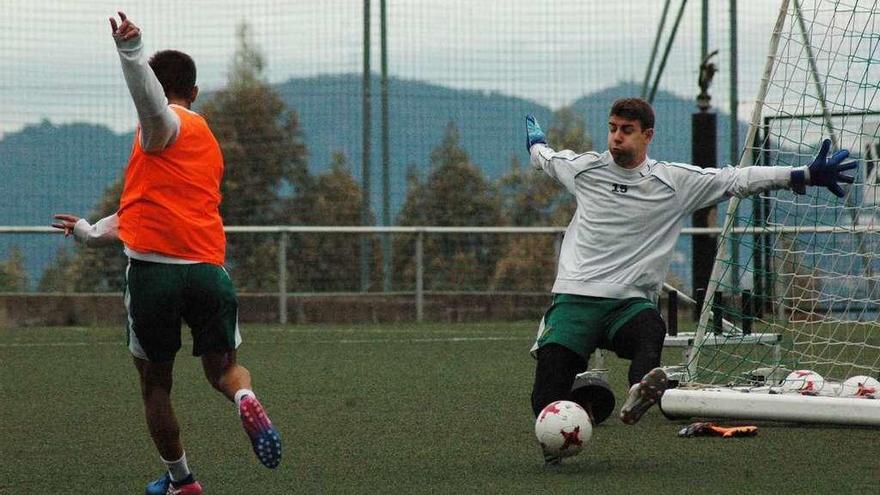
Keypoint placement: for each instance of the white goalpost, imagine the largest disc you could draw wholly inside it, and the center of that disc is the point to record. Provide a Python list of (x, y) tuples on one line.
[(807, 267)]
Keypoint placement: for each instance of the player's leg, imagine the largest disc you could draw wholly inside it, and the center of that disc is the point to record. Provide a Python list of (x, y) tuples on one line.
[(640, 339), (152, 300), (211, 311), (570, 332), (554, 375), (156, 382)]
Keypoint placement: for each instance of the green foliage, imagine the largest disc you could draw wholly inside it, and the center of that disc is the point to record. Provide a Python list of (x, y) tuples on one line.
[(329, 262), (455, 193), (13, 277), (264, 155)]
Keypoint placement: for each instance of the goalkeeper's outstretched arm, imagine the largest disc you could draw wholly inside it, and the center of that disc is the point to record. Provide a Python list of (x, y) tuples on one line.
[(699, 188)]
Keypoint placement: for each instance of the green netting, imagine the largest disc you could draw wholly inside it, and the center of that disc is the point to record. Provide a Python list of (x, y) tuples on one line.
[(809, 262)]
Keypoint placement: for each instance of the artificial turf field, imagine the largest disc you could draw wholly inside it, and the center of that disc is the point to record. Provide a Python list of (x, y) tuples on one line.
[(402, 408)]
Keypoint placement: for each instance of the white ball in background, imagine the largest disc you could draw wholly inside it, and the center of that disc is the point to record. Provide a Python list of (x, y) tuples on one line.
[(805, 382), (861, 386)]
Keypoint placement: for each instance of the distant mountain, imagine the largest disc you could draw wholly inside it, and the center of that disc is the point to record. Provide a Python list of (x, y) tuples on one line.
[(672, 138), (48, 169), (491, 125), (65, 168)]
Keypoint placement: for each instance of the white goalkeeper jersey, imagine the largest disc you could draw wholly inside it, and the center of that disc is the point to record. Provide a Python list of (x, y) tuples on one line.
[(620, 241)]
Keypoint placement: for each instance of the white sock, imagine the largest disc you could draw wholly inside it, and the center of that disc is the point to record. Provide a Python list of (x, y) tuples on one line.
[(178, 469), (241, 394)]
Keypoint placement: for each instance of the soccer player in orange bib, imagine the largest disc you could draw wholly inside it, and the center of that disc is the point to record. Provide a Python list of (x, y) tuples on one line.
[(169, 222)]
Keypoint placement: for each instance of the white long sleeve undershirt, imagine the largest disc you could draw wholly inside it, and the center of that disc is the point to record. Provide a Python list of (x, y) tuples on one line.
[(106, 231), (159, 125)]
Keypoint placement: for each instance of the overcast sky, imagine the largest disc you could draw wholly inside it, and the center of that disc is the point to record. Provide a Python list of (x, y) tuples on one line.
[(57, 60)]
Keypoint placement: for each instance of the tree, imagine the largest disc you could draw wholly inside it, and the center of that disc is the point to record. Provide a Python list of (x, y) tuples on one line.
[(329, 262), (265, 159), (13, 276), (455, 193), (532, 198)]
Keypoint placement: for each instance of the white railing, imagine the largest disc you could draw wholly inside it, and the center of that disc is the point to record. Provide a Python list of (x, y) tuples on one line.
[(283, 231)]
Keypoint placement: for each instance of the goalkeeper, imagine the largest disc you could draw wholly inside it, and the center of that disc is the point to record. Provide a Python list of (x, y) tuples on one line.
[(617, 248)]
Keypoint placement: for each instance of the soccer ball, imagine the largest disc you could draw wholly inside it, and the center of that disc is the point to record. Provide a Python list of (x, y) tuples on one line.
[(861, 386), (805, 382), (563, 428)]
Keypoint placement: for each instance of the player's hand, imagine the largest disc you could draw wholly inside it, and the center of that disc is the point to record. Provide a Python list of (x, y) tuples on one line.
[(126, 30), (534, 134), (826, 171), (65, 222)]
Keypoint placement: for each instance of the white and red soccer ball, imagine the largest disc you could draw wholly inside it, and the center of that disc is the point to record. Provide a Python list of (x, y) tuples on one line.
[(860, 386), (563, 428), (805, 382)]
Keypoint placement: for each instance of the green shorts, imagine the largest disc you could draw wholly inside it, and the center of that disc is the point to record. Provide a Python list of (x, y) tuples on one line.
[(160, 296), (583, 323)]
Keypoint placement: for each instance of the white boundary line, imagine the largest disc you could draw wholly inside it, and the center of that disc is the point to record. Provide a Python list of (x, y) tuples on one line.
[(268, 342)]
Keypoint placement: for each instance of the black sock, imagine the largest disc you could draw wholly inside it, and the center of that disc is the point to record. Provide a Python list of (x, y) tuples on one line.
[(554, 375), (189, 479)]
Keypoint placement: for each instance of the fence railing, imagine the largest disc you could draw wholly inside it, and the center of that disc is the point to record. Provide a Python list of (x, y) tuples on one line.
[(420, 232)]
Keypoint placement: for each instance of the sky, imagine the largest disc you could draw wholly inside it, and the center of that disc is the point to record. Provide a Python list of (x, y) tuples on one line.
[(57, 60)]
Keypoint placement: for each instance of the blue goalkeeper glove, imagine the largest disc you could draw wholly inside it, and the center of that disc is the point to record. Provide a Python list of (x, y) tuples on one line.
[(824, 171), (534, 134)]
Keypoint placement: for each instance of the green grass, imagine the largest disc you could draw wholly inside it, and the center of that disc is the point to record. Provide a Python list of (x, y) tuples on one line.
[(405, 408)]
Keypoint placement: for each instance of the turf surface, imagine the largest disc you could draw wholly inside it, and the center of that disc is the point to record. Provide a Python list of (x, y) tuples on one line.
[(405, 408)]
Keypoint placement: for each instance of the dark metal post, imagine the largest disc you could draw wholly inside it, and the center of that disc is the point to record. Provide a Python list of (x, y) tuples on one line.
[(699, 299), (365, 165), (748, 310), (734, 130), (704, 152), (386, 173), (718, 313), (672, 313)]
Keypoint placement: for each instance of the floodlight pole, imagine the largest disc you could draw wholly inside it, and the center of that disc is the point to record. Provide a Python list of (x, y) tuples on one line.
[(734, 128), (386, 173), (365, 157)]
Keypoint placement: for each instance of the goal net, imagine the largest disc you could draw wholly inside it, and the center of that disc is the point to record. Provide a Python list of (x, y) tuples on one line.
[(802, 270)]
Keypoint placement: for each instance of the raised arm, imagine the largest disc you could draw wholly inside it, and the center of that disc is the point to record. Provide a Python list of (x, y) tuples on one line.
[(159, 125), (557, 164)]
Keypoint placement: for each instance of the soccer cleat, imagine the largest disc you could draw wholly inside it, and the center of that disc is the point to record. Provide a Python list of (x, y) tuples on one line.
[(163, 486), (159, 486), (193, 488), (264, 437), (643, 395)]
